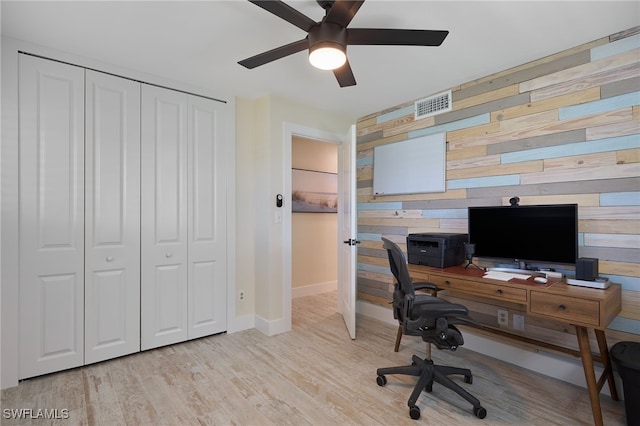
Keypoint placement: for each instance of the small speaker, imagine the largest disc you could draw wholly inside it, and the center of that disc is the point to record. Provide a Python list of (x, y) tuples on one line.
[(586, 269)]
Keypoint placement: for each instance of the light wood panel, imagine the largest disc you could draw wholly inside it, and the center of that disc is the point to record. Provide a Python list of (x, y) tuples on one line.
[(582, 71)]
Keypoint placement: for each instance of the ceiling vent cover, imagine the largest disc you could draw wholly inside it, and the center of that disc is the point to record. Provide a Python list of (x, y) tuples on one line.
[(433, 105)]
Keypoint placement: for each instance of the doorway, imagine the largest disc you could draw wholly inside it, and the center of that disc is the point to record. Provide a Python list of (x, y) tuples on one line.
[(292, 131), (314, 223)]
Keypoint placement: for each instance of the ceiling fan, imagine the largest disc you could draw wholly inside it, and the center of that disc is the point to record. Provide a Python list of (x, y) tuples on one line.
[(328, 39)]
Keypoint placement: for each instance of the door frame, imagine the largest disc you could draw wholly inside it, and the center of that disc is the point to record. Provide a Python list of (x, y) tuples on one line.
[(289, 131)]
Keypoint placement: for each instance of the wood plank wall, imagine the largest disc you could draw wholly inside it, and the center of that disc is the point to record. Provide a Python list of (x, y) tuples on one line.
[(562, 129)]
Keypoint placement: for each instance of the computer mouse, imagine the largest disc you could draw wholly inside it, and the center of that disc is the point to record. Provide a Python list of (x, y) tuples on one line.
[(542, 280)]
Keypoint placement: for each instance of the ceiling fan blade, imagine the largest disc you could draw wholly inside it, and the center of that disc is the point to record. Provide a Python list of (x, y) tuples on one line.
[(344, 75), (343, 11), (273, 54), (398, 37), (286, 12)]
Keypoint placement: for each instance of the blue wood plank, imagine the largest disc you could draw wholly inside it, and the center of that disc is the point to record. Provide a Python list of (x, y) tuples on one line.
[(620, 199), (618, 46), (364, 161), (476, 120), (484, 182), (627, 283), (396, 205), (364, 236), (578, 148), (392, 115), (597, 107), (626, 325), (445, 213)]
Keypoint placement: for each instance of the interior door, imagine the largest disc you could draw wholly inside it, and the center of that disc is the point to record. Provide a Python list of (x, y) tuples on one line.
[(207, 292), (164, 217), (51, 297), (112, 217), (347, 230)]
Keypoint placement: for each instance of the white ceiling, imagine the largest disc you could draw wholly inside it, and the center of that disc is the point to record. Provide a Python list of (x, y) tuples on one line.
[(200, 43)]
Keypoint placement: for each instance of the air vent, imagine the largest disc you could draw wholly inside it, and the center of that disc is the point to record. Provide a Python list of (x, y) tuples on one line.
[(433, 105)]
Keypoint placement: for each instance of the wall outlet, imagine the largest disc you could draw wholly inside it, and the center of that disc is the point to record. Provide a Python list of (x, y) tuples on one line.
[(241, 295), (518, 322), (503, 317)]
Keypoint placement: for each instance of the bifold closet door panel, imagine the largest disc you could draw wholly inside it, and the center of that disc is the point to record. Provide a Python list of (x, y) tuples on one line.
[(51, 295), (112, 217), (207, 293), (164, 217)]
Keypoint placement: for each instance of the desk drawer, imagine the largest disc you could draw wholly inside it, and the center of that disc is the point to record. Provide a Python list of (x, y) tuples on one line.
[(570, 309), (484, 289)]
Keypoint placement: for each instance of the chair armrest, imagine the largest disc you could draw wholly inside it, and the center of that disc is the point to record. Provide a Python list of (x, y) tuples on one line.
[(425, 286), (407, 306), (436, 308)]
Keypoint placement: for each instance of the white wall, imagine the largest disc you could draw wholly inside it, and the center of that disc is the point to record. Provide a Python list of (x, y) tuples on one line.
[(259, 245), (263, 155)]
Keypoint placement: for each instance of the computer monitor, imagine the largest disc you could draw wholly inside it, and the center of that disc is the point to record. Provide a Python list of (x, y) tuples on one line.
[(534, 233)]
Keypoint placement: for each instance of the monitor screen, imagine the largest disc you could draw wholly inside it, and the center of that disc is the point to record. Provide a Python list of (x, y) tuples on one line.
[(541, 233)]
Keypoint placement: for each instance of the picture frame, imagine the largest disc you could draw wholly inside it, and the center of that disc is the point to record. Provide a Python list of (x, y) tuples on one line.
[(313, 191)]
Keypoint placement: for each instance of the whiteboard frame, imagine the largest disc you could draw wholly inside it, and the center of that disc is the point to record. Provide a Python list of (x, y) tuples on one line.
[(412, 166)]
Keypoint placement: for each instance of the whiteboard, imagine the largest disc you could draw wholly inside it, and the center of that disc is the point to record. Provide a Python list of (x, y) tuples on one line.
[(411, 166)]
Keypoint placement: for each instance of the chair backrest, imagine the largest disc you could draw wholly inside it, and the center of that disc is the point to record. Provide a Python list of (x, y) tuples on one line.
[(398, 266)]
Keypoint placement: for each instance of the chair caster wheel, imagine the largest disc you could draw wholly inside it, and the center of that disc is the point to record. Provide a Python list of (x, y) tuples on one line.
[(480, 412), (414, 412), (468, 379), (381, 380)]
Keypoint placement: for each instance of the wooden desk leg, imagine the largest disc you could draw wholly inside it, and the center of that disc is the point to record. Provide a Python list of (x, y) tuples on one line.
[(398, 338), (589, 374), (606, 362)]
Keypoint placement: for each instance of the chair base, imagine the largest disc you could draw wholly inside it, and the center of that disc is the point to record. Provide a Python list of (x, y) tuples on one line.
[(429, 373)]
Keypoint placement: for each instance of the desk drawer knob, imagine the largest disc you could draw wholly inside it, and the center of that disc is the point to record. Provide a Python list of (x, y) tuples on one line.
[(499, 291), (447, 283), (562, 307)]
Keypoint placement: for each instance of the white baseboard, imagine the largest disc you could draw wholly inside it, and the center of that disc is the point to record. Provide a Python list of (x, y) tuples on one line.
[(550, 364), (244, 322), (272, 327), (310, 290)]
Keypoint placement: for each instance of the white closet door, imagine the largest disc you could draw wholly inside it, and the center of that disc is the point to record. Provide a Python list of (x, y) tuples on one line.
[(207, 219), (51, 294), (112, 217), (164, 217)]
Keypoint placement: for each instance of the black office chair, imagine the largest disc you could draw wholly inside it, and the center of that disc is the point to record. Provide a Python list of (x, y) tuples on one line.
[(433, 319)]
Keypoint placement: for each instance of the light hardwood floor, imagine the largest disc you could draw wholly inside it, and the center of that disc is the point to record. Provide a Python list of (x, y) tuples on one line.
[(313, 375)]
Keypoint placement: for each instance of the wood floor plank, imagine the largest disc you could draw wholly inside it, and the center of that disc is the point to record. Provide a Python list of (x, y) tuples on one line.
[(313, 375)]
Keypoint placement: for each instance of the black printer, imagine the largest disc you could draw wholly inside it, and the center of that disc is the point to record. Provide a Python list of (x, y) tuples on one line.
[(437, 250)]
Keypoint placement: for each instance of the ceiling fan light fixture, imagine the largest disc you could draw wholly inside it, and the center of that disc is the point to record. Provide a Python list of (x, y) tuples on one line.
[(327, 55)]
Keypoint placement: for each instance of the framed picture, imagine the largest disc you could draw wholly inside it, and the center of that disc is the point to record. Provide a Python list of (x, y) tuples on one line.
[(314, 192)]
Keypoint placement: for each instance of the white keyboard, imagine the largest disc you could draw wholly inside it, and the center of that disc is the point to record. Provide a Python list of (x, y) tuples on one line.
[(505, 276)]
